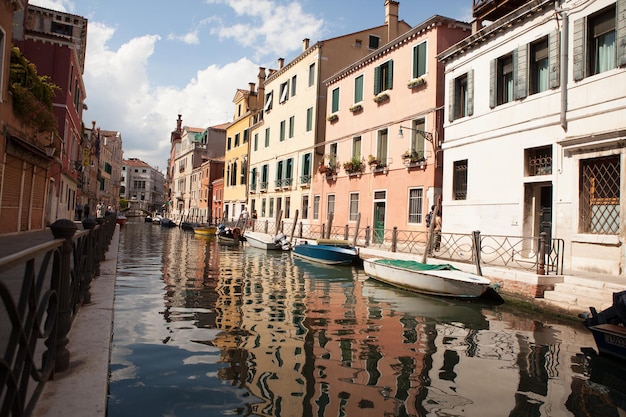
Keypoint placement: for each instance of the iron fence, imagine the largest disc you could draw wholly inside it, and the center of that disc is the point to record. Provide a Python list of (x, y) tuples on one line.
[(540, 254), (41, 291)]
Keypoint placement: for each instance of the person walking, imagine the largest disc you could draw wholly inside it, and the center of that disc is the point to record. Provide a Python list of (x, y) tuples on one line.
[(79, 211), (100, 210), (86, 210)]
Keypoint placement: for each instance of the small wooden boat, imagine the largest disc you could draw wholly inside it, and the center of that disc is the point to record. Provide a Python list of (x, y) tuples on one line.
[(434, 279), (328, 251), (228, 236), (609, 327), (121, 219), (205, 230), (165, 222), (266, 241)]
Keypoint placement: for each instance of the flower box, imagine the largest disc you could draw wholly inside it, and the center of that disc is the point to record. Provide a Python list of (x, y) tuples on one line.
[(332, 118), (416, 82), (356, 108), (379, 98)]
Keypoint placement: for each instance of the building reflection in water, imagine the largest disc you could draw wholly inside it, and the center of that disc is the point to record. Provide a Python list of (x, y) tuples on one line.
[(312, 340)]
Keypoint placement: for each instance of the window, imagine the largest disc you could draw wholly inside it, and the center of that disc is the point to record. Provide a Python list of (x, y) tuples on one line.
[(267, 137), (459, 180), (383, 77), (419, 60), (501, 80), (256, 141), (292, 126), (381, 146), (374, 42), (311, 74), (284, 92), (354, 207), (283, 125), (264, 177), (316, 207), (356, 147), (598, 52), (246, 133), (305, 207), (294, 81), (335, 100), (229, 143), (332, 153), (309, 119), (268, 102), (330, 205), (417, 138), (263, 207), (271, 210), (306, 168), (416, 201), (287, 207), (462, 96), (253, 175), (539, 161), (600, 195), (237, 139), (358, 89), (539, 66), (288, 180)]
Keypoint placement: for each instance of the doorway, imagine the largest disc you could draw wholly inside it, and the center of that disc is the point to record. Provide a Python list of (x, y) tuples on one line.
[(379, 216)]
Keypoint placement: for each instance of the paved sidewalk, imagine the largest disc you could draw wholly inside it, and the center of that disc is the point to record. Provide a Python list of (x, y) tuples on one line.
[(82, 389)]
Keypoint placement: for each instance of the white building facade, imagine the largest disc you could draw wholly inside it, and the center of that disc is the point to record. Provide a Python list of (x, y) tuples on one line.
[(536, 130)]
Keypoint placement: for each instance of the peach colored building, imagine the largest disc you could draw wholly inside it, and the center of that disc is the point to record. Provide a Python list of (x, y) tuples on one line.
[(286, 143), (369, 167)]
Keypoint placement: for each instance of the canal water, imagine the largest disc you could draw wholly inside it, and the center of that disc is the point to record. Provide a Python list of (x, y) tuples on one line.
[(207, 330)]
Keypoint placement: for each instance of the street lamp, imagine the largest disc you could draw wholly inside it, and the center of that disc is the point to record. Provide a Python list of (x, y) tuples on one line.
[(50, 149), (427, 135)]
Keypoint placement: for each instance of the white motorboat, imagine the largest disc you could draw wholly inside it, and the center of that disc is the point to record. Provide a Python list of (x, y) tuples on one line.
[(267, 241)]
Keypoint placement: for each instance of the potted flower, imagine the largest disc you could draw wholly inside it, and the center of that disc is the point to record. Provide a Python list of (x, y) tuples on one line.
[(380, 97), (353, 166), (372, 160), (416, 82)]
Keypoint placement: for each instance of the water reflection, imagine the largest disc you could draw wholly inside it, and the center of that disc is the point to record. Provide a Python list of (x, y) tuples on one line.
[(202, 329)]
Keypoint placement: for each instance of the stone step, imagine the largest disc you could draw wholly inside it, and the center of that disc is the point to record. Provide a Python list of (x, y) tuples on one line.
[(583, 292)]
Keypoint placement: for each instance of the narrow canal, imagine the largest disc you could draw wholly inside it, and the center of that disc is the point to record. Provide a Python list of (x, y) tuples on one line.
[(206, 330)]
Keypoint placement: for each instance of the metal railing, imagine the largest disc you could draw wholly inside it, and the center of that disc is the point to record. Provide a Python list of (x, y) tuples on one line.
[(41, 291), (535, 254)]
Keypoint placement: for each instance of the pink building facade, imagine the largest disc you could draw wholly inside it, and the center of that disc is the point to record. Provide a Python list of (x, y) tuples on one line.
[(389, 178)]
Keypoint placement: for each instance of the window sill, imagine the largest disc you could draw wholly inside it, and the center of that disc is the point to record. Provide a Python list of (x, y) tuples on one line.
[(596, 239)]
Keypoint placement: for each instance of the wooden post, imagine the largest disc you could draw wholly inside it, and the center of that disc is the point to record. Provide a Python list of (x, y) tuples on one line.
[(477, 248), (293, 228), (356, 229)]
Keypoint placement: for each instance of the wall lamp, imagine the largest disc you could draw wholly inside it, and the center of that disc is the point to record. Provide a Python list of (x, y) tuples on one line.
[(50, 149), (427, 135)]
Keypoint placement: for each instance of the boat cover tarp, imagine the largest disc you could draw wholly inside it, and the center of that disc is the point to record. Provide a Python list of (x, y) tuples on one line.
[(416, 266)]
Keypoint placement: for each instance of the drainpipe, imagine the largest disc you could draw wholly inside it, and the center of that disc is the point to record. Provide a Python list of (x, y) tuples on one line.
[(564, 66)]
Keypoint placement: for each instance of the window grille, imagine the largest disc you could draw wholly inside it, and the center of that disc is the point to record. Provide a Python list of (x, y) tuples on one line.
[(600, 195), (539, 161)]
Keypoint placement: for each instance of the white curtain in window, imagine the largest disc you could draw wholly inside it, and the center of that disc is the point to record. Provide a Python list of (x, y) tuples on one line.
[(606, 52)]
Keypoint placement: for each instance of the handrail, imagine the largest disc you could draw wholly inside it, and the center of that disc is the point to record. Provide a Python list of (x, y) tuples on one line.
[(41, 291)]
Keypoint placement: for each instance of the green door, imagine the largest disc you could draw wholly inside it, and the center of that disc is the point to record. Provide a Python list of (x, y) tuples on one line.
[(379, 222)]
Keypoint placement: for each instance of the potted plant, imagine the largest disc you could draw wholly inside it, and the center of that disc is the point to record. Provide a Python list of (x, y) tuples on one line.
[(354, 165)]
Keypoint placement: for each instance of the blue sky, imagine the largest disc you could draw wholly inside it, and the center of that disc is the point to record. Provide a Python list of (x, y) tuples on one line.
[(150, 60)]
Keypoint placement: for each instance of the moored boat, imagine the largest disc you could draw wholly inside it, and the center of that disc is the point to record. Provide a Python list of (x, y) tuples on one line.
[(228, 236), (609, 327), (165, 222), (266, 241), (121, 219), (327, 251), (434, 279), (205, 230)]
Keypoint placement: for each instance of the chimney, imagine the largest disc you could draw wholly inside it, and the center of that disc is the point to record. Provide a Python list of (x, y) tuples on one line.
[(251, 85), (261, 90), (305, 44), (179, 124), (281, 63), (391, 19)]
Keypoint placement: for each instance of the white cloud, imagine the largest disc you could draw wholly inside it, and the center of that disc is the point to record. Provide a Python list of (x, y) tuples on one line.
[(190, 38), (120, 96), (270, 23), (60, 5)]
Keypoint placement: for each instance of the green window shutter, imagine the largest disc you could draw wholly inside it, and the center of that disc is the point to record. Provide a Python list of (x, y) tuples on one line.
[(419, 60), (377, 80), (493, 92), (335, 99), (452, 100), (358, 89), (579, 49), (620, 32), (554, 58), (390, 75), (520, 63), (470, 93)]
